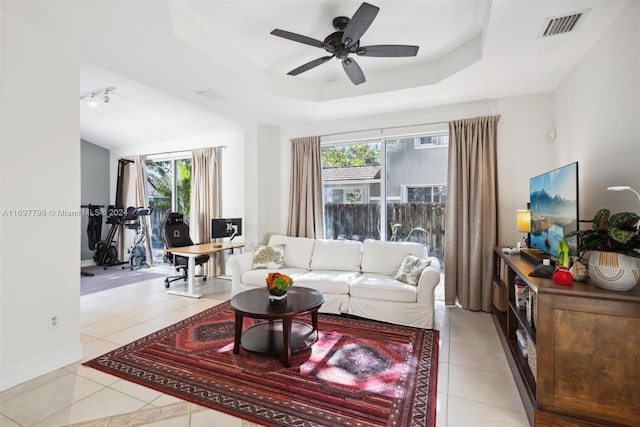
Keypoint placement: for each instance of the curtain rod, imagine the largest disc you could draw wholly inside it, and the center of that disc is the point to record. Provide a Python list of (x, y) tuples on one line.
[(381, 129), (180, 151)]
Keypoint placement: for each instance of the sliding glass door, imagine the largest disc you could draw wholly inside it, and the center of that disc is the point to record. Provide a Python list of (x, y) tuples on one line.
[(416, 190), (388, 188), (168, 190)]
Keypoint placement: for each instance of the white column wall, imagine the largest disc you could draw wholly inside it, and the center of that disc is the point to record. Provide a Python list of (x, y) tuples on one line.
[(39, 170), (523, 145), (264, 168), (597, 109), (232, 172)]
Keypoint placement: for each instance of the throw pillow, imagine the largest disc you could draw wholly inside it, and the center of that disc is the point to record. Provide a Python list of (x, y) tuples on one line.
[(268, 257), (416, 271), (405, 268)]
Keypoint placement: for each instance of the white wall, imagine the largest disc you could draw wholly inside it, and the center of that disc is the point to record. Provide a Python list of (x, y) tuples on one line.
[(597, 109), (264, 175), (232, 171), (595, 112), (523, 145), (39, 169)]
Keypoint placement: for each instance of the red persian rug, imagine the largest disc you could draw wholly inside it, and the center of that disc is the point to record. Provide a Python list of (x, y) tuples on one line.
[(358, 373)]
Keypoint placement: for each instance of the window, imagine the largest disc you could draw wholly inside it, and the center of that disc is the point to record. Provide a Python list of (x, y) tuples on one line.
[(168, 190), (430, 141), (423, 193), (346, 195)]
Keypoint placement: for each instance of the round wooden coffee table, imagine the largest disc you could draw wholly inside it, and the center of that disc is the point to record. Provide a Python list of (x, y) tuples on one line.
[(280, 334)]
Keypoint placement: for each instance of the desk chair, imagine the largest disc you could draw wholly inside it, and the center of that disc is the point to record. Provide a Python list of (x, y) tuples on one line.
[(176, 234)]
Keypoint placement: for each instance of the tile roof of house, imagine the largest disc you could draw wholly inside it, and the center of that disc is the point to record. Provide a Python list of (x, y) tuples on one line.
[(351, 173)]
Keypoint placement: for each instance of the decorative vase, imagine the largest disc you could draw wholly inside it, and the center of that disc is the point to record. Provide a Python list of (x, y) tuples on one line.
[(277, 294), (613, 271), (562, 276)]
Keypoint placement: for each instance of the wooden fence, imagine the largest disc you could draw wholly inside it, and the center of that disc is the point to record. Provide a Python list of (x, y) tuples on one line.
[(419, 222)]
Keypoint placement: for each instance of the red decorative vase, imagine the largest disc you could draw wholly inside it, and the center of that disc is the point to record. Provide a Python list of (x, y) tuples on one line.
[(562, 276)]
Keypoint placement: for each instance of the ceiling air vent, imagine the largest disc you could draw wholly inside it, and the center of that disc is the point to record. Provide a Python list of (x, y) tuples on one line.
[(209, 94), (562, 24)]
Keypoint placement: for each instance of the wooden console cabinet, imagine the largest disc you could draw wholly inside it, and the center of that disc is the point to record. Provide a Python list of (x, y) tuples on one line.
[(583, 366)]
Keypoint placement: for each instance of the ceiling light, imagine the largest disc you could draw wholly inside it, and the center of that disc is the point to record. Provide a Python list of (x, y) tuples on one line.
[(91, 96)]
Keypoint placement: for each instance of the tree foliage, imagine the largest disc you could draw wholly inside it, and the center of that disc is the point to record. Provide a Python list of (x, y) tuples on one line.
[(351, 155), (160, 177)]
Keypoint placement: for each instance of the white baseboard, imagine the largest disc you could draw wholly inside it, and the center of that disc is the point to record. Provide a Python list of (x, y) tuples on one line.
[(39, 366), (87, 263)]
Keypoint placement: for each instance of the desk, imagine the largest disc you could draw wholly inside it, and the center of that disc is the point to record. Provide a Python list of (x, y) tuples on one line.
[(191, 252)]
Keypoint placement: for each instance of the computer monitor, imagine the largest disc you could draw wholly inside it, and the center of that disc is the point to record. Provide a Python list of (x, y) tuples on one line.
[(226, 227)]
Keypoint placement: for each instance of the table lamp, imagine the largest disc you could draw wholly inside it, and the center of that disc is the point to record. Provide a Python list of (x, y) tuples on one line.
[(523, 219)]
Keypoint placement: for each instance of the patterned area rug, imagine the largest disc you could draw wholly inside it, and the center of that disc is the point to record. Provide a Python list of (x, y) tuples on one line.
[(358, 373), (113, 277)]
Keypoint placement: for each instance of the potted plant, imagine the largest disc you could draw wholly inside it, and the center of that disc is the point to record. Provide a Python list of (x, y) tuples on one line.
[(614, 241), (561, 275)]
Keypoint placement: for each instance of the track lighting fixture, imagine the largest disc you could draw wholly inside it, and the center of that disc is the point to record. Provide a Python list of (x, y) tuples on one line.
[(91, 96)]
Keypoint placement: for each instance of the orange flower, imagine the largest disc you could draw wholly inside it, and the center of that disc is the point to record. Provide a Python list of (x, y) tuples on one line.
[(278, 281)]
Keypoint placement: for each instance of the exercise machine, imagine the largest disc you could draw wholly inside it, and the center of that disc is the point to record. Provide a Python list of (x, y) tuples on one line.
[(106, 252), (135, 220)]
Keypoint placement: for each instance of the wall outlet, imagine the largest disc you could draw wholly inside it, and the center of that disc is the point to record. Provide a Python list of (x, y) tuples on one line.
[(53, 321)]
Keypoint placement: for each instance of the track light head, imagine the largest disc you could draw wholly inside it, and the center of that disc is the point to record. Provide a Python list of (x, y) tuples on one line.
[(91, 96)]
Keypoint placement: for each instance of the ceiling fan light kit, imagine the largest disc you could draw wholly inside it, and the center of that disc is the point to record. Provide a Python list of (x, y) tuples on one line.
[(345, 41)]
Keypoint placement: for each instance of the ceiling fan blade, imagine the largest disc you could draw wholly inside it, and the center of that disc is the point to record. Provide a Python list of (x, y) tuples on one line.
[(388, 50), (309, 65), (360, 22), (353, 70), (298, 38)]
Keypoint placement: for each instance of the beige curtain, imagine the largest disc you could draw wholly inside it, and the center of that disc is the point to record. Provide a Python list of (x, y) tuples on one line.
[(205, 203), (305, 191), (471, 218), (134, 194), (125, 236), (142, 201)]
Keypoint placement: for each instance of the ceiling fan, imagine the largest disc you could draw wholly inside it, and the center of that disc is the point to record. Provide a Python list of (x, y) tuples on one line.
[(345, 41)]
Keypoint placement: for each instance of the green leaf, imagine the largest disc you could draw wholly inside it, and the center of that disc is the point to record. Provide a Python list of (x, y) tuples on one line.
[(601, 219), (622, 236), (624, 220)]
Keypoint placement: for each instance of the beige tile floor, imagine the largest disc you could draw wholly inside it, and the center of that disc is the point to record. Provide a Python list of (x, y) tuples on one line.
[(475, 386)]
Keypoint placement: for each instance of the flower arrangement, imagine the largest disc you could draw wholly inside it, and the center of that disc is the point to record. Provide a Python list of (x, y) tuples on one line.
[(277, 283)]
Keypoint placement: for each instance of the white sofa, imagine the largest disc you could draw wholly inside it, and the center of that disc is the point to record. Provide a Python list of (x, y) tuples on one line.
[(356, 278)]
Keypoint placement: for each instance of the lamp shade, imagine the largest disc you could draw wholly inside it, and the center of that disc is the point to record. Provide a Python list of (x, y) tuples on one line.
[(523, 218)]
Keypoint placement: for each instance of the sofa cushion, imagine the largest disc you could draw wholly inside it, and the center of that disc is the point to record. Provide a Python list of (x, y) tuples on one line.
[(405, 268), (297, 252), (268, 257), (385, 257), (327, 282), (411, 269), (383, 288), (417, 269), (259, 277), (342, 255)]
